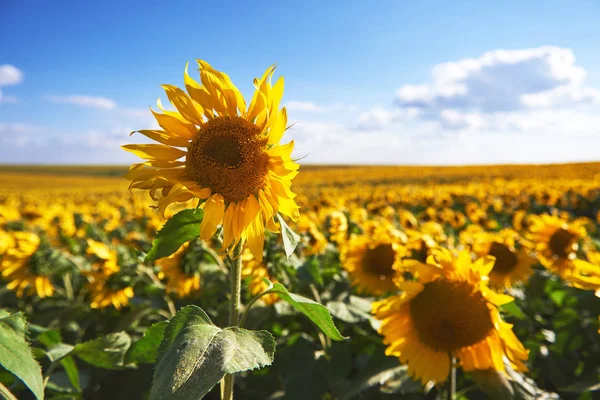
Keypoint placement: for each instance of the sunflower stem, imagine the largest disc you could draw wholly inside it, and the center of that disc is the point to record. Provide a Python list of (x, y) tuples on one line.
[(7, 394), (235, 277), (451, 390)]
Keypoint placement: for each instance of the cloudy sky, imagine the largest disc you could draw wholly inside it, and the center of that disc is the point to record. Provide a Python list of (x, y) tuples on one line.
[(384, 82)]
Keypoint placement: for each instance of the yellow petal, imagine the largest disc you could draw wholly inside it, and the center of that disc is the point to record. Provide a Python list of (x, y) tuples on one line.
[(214, 208), (186, 106), (175, 126), (154, 151)]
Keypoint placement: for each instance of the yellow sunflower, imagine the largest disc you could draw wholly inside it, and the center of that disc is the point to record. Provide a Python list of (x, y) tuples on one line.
[(449, 311), (105, 283), (557, 242), (373, 261), (511, 265), (25, 267), (314, 241), (255, 272), (182, 279), (337, 224), (6, 242), (217, 149)]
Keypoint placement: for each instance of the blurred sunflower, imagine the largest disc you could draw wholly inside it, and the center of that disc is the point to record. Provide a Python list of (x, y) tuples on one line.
[(373, 261), (337, 224), (183, 278), (520, 220), (511, 265), (26, 266), (231, 155), (407, 219), (6, 242), (255, 272), (448, 312), (557, 243), (314, 241), (106, 284)]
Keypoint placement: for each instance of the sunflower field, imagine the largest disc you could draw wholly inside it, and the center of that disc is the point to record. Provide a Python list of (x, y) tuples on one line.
[(363, 282)]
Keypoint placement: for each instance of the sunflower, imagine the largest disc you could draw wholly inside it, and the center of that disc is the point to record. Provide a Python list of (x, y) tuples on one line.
[(511, 265), (6, 242), (216, 149), (314, 241), (449, 311), (337, 224), (255, 272), (557, 244), (182, 278), (106, 284), (105, 292), (373, 260), (26, 266), (407, 219), (520, 220)]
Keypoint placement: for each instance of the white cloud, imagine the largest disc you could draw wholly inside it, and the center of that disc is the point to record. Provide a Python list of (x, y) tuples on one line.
[(84, 101), (561, 96), (502, 80), (378, 117), (19, 134), (10, 75)]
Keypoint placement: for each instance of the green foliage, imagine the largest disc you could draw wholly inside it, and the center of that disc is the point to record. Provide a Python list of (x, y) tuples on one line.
[(317, 313), (180, 228), (145, 350), (15, 354), (195, 355), (106, 351)]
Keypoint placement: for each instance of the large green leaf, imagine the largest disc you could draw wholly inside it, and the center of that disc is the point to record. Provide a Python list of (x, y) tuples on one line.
[(290, 238), (318, 313), (15, 354), (180, 228), (145, 350), (195, 355), (105, 352)]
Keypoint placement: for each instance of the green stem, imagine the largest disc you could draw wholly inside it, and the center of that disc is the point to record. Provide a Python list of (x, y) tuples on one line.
[(68, 286), (5, 393), (452, 379), (235, 277)]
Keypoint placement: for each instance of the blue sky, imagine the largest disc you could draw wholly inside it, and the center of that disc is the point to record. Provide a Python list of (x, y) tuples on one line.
[(368, 82)]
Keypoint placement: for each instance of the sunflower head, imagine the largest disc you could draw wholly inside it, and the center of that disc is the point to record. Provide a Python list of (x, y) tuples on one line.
[(374, 261), (254, 271), (224, 153), (27, 264), (556, 241), (511, 265), (183, 269), (448, 311)]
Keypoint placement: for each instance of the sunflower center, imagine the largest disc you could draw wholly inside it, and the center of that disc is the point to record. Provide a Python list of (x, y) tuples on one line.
[(506, 259), (379, 261), (449, 315), (228, 156), (562, 243)]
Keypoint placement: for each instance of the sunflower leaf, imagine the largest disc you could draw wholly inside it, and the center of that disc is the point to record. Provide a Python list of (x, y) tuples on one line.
[(317, 313), (290, 238), (195, 355), (15, 353), (105, 352), (180, 228), (145, 350)]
